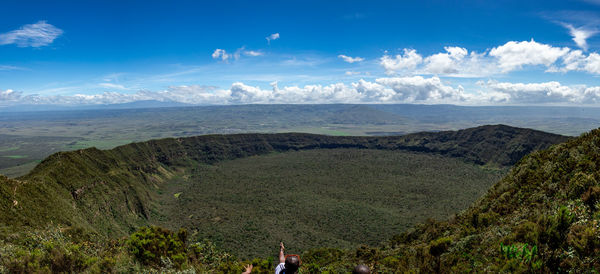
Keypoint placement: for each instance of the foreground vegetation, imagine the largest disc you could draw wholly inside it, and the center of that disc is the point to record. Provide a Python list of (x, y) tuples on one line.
[(543, 216)]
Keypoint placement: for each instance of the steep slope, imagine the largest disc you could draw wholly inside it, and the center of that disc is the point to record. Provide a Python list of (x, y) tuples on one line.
[(542, 217), (498, 144), (113, 191)]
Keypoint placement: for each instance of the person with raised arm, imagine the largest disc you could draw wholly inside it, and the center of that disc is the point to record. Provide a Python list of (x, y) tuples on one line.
[(287, 264)]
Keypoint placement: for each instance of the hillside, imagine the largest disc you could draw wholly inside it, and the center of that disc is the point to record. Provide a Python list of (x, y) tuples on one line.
[(111, 192), (542, 217)]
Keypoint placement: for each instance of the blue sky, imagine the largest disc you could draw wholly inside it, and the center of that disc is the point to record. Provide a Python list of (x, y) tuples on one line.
[(460, 52)]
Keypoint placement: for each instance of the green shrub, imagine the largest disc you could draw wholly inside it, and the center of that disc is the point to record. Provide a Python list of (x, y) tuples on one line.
[(584, 239), (439, 246), (322, 256), (553, 229), (591, 197), (527, 232), (150, 244)]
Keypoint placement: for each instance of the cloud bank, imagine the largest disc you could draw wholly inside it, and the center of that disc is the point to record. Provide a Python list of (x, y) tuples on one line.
[(410, 89)]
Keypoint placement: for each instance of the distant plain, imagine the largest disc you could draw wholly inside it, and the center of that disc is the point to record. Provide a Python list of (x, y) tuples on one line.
[(28, 137)]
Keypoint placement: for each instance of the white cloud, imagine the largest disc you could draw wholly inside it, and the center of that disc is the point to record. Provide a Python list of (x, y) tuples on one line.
[(224, 56), (413, 89), (577, 61), (445, 63), (253, 53), (388, 90), (113, 86), (423, 90), (349, 59), (220, 54), (580, 35), (592, 63), (272, 37), (541, 93), (31, 35), (10, 95), (514, 55), (350, 73), (409, 61)]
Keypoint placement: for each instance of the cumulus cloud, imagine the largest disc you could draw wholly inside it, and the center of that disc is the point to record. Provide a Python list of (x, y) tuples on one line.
[(580, 35), (541, 93), (31, 35), (515, 55), (420, 89), (408, 61), (511, 56), (220, 54), (576, 60), (458, 62), (272, 37), (349, 59)]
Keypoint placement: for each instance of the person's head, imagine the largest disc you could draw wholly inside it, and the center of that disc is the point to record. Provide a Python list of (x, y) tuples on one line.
[(361, 269), (292, 263)]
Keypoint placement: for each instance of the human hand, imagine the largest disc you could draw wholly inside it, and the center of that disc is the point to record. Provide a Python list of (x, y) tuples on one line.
[(247, 269)]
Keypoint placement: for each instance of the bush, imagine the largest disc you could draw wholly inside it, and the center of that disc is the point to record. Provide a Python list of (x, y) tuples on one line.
[(439, 246), (591, 197), (553, 229), (322, 256), (584, 240), (150, 244)]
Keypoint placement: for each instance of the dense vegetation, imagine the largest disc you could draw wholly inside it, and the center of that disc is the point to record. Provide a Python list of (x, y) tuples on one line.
[(542, 217), (95, 194), (335, 197)]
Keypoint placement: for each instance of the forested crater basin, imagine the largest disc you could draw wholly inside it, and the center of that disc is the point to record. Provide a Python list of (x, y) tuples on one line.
[(339, 197), (246, 192)]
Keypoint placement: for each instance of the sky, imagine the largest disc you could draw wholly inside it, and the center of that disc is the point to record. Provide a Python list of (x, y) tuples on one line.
[(248, 52)]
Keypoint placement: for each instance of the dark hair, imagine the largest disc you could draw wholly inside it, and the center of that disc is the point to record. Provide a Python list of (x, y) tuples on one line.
[(292, 263), (361, 269)]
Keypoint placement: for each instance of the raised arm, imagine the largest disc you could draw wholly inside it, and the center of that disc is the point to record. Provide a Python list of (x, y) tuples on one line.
[(281, 255), (247, 269)]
